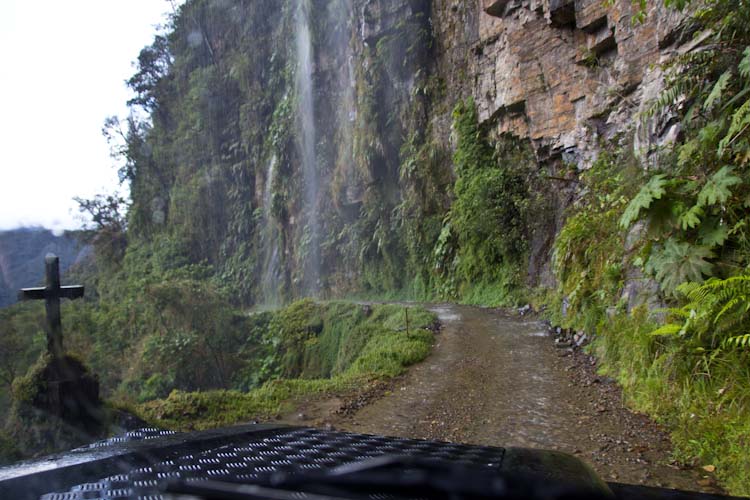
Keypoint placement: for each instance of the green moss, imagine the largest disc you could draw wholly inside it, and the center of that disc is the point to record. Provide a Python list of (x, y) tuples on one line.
[(28, 386)]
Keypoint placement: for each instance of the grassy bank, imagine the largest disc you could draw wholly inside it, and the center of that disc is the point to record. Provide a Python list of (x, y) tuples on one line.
[(318, 349), (705, 403)]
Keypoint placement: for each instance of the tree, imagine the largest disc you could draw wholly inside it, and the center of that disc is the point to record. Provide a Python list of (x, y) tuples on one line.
[(154, 62), (108, 234)]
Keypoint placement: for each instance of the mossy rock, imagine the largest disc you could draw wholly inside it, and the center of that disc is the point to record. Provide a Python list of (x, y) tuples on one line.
[(62, 387), (56, 406)]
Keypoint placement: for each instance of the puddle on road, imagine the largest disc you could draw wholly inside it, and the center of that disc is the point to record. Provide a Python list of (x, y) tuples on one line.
[(538, 333), (446, 313)]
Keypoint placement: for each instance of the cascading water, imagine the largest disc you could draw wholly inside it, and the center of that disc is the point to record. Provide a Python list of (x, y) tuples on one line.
[(306, 114), (271, 281), (340, 15)]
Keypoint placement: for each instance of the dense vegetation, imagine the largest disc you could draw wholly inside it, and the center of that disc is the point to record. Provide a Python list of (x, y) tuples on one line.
[(252, 366), (666, 287), (217, 222)]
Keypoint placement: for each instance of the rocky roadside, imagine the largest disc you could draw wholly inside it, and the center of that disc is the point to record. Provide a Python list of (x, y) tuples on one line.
[(642, 443)]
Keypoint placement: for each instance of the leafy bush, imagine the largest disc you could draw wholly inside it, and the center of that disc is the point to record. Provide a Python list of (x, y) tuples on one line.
[(703, 398), (715, 316), (696, 204)]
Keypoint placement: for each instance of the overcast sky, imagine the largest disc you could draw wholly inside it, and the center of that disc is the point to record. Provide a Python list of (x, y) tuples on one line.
[(64, 64)]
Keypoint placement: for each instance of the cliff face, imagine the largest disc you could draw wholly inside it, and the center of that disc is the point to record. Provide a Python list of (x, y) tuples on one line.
[(568, 76), (307, 148), (561, 73)]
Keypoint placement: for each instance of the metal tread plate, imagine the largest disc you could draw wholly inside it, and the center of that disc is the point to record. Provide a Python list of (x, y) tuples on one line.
[(287, 450)]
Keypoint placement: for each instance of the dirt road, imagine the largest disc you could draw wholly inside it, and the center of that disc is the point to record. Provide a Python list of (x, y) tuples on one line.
[(496, 378)]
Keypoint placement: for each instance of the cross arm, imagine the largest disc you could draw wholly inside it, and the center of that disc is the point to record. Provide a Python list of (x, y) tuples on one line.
[(40, 293), (71, 292), (31, 293)]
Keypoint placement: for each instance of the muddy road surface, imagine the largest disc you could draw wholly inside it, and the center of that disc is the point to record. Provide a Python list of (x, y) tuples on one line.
[(496, 378)]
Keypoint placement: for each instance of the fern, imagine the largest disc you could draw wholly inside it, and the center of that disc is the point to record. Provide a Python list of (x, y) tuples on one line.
[(738, 341), (716, 314), (653, 190), (668, 330), (717, 90), (678, 262), (740, 123), (744, 65), (716, 190)]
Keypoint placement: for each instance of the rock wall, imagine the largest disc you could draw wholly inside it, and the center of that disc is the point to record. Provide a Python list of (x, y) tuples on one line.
[(562, 73), (567, 75), (226, 177)]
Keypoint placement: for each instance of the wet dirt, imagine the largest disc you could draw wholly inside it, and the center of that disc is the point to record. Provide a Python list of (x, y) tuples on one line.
[(496, 378)]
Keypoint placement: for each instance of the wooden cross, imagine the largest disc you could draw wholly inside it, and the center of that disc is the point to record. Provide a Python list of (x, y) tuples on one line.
[(51, 294)]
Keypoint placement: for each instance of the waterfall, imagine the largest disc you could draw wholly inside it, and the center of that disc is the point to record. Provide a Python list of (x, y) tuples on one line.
[(306, 114), (271, 280)]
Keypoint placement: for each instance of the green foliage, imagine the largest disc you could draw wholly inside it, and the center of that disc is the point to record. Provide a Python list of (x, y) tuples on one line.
[(290, 330), (653, 190), (677, 262), (716, 189), (590, 277), (717, 90), (428, 184), (9, 453), (251, 366), (26, 387), (484, 237), (715, 316), (690, 371), (493, 294), (695, 207), (22, 338), (704, 400), (352, 347)]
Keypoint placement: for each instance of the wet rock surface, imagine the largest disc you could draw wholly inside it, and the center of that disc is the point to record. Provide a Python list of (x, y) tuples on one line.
[(497, 378)]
